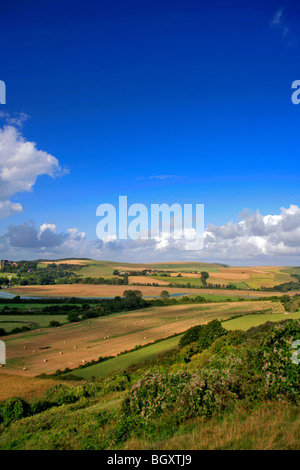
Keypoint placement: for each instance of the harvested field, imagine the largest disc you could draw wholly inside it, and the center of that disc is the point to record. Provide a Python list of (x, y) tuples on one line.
[(50, 349), (146, 280), (84, 290), (231, 276), (68, 261)]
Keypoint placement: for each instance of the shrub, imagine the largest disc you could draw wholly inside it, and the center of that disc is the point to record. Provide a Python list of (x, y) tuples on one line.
[(13, 409), (54, 323), (182, 394), (73, 317), (204, 335), (281, 376)]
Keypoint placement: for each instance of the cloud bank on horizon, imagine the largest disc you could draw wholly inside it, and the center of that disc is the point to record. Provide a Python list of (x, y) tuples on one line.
[(256, 238)]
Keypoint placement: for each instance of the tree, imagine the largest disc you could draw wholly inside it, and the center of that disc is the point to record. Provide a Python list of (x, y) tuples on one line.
[(204, 276), (132, 294), (164, 295), (203, 335), (73, 317)]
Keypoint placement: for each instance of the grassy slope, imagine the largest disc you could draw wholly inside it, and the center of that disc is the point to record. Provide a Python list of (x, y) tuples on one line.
[(270, 426), (248, 321), (126, 360)]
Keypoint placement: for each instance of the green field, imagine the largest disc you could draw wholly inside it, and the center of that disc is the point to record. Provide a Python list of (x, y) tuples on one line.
[(248, 321), (9, 322), (34, 306), (24, 306), (222, 297), (125, 360)]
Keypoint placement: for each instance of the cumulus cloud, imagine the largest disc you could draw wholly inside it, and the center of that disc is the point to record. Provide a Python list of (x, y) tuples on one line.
[(26, 241), (254, 239), (8, 208), (20, 165), (27, 236)]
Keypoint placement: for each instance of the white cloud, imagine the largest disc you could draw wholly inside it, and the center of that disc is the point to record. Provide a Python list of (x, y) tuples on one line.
[(20, 165), (51, 227), (254, 239), (8, 208)]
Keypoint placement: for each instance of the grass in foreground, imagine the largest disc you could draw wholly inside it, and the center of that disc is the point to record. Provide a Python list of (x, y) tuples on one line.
[(270, 426)]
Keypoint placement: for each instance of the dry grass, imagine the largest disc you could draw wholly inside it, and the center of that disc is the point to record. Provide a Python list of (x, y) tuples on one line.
[(146, 280), (231, 276), (24, 387), (269, 427)]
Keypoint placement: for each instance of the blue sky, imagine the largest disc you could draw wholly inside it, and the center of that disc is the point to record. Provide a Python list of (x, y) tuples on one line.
[(122, 92)]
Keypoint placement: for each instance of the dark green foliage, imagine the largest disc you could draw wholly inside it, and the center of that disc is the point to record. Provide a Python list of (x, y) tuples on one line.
[(291, 303), (281, 376), (204, 277), (73, 317), (181, 393), (203, 335), (54, 323), (164, 295), (13, 409)]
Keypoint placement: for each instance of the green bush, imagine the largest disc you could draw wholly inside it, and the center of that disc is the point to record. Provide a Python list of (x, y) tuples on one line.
[(183, 394), (73, 317), (54, 323), (13, 409), (203, 335), (281, 376)]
